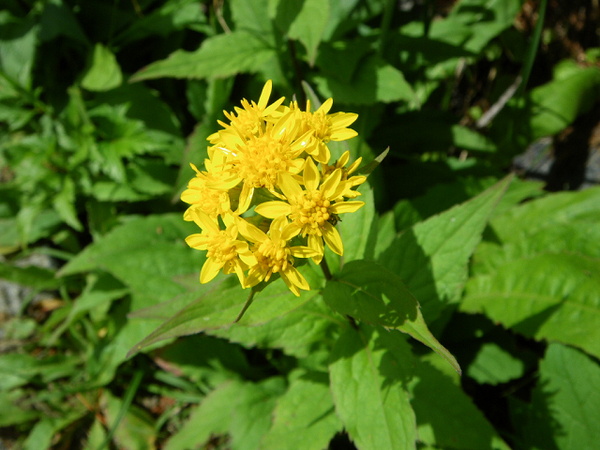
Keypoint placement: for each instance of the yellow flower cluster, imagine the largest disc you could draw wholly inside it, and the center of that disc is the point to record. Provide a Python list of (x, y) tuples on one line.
[(275, 158)]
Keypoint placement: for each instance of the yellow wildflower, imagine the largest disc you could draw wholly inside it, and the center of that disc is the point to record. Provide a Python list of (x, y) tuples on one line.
[(274, 255), (326, 127), (224, 249), (313, 209), (354, 181), (249, 120), (257, 160)]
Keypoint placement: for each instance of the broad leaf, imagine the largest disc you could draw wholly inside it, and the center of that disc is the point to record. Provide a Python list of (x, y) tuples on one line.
[(565, 407), (432, 256), (104, 73), (368, 371), (369, 292), (220, 56), (446, 416), (304, 418), (549, 296)]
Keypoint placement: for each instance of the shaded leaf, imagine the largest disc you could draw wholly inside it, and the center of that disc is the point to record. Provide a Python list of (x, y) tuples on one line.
[(368, 369)]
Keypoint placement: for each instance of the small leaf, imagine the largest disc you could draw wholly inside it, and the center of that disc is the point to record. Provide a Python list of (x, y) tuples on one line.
[(308, 26), (371, 166), (104, 73)]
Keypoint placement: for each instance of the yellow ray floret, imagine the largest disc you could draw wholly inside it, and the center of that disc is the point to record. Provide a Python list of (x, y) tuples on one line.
[(224, 249), (313, 209), (274, 255)]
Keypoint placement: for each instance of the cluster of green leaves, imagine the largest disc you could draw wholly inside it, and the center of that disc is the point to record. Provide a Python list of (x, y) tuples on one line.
[(489, 272)]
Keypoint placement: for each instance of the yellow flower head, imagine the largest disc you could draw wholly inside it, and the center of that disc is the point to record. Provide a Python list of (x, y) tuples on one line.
[(354, 181), (326, 127), (224, 249), (257, 160), (274, 255), (200, 195), (249, 119), (313, 209)]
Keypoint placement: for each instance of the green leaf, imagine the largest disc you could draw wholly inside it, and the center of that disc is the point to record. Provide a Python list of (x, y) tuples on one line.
[(19, 369), (356, 229), (304, 418), (221, 306), (297, 333), (446, 416), (58, 19), (368, 368), (251, 416), (18, 39), (15, 409), (374, 81), (368, 292), (219, 57), (147, 254), (32, 276), (549, 296), (64, 204), (432, 256), (252, 16), (565, 406), (104, 73), (40, 437), (309, 25), (135, 430), (494, 365), (211, 418)]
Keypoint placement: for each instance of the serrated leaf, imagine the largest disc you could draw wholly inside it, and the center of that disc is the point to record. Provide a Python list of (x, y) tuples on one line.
[(219, 57), (432, 256), (565, 406), (304, 418), (104, 73), (368, 292), (549, 296), (367, 370)]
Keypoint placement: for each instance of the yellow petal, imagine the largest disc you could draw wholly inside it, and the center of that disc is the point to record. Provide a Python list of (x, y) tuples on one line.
[(290, 231), (273, 209), (210, 270), (290, 285), (345, 207), (250, 232), (300, 251), (265, 94), (296, 278), (205, 222), (240, 274), (343, 134), (331, 183), (325, 107), (245, 199), (333, 239), (311, 175), (316, 244), (342, 119), (197, 241), (254, 277), (288, 185)]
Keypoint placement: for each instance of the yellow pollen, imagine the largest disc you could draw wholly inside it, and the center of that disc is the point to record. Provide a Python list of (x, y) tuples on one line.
[(261, 160), (221, 247), (311, 211), (273, 257)]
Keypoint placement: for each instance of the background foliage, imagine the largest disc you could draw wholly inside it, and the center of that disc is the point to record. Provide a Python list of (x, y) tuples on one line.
[(104, 103)]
